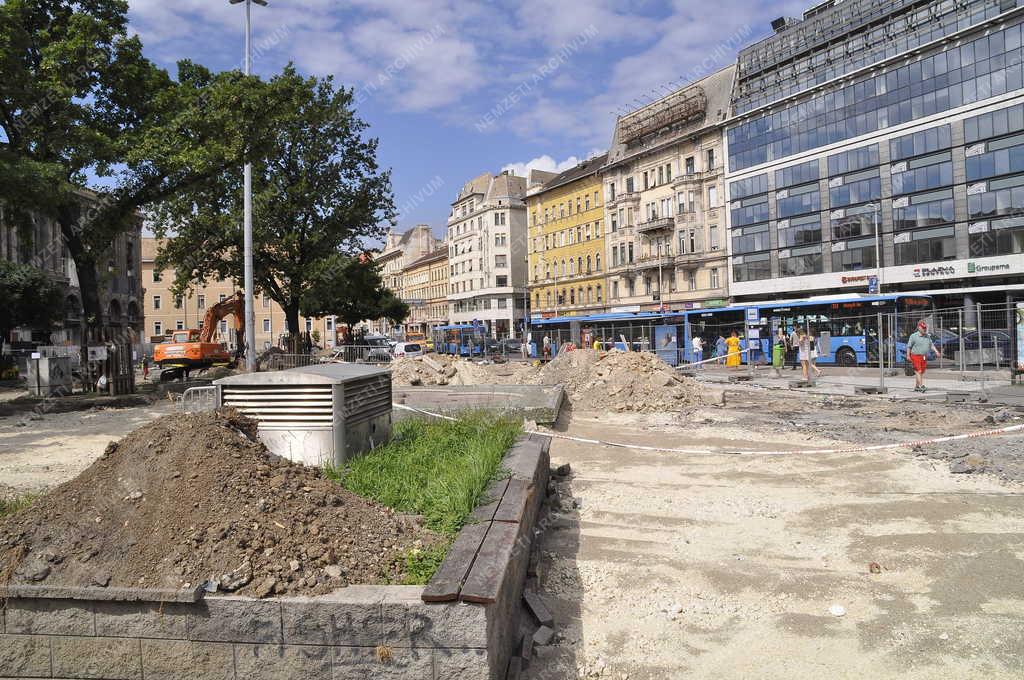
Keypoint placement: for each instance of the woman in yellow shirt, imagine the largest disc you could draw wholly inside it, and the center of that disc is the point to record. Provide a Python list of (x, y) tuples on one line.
[(733, 345)]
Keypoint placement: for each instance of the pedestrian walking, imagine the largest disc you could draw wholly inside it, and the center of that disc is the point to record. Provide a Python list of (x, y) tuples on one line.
[(720, 349), (779, 351), (804, 352), (794, 348), (697, 345), (733, 345), (547, 347), (919, 346), (814, 355)]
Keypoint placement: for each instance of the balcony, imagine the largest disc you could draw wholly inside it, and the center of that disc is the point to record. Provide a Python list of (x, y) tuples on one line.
[(656, 224), (655, 261), (626, 196)]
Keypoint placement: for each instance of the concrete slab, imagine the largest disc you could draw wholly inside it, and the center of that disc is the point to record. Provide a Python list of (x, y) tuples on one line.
[(539, 403)]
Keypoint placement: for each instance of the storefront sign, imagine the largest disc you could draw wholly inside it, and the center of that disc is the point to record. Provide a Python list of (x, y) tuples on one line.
[(933, 272), (974, 268)]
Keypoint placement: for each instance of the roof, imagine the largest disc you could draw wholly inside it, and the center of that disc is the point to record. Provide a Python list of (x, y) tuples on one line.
[(317, 374), (150, 247), (591, 166), (715, 92), (438, 254)]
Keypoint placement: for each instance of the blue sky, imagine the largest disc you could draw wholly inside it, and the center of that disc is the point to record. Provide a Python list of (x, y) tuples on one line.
[(454, 88)]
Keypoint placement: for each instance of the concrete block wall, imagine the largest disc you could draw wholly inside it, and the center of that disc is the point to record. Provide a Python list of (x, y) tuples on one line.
[(359, 632)]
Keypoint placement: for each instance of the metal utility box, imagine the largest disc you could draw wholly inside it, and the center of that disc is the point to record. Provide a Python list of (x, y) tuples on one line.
[(49, 376), (315, 415)]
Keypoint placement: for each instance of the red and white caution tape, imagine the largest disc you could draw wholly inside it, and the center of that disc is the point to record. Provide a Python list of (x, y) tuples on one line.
[(746, 452)]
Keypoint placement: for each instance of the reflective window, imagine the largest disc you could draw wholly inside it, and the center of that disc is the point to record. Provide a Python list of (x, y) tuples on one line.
[(998, 159), (800, 261), (858, 189), (798, 200), (758, 184), (853, 222), (919, 174), (749, 211), (994, 124), (752, 267), (750, 239), (1003, 197), (850, 256), (999, 237), (853, 160), (796, 174), (799, 231), (926, 245), (923, 210), (920, 143)]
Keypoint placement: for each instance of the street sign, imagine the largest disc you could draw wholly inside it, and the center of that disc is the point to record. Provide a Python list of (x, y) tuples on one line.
[(873, 285)]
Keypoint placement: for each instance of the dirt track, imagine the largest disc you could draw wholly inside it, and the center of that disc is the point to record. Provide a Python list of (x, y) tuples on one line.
[(713, 566)]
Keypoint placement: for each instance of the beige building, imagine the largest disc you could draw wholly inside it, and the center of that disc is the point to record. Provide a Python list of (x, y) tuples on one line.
[(399, 251), (425, 290), (664, 200), (120, 284), (166, 312)]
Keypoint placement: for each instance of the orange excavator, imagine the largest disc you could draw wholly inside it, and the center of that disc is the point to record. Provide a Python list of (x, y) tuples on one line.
[(195, 349)]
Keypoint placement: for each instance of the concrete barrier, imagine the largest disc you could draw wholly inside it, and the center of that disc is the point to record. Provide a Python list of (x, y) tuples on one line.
[(356, 632)]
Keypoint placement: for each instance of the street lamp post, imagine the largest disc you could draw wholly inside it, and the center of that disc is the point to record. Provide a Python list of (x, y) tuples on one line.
[(876, 208), (250, 310)]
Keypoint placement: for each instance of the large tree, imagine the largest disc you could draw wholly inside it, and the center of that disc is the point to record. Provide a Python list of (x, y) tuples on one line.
[(318, 196), (28, 297), (79, 103), (352, 289)]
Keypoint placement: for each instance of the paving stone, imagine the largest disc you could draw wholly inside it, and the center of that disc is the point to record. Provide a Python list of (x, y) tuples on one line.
[(184, 660), (50, 617), (107, 658), (140, 619), (222, 619), (24, 656), (365, 663), (274, 662)]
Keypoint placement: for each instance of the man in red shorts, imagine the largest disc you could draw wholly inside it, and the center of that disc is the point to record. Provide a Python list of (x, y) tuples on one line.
[(919, 346)]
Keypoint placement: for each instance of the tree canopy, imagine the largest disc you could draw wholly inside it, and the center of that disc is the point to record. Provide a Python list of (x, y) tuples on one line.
[(28, 297), (79, 101), (352, 289), (318, 195)]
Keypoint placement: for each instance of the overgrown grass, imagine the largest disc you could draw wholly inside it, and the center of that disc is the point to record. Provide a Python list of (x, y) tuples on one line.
[(435, 468), (421, 563), (9, 506)]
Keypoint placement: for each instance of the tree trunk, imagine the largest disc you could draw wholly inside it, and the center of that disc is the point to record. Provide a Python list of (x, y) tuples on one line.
[(88, 279), (291, 316)]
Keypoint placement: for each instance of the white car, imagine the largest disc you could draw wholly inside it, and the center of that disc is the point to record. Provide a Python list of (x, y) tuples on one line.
[(408, 349)]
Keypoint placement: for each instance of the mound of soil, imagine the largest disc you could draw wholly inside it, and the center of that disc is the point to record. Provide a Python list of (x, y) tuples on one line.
[(192, 499)]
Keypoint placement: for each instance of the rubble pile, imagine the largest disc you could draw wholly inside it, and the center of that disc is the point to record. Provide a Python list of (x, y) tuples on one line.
[(622, 381), (191, 500)]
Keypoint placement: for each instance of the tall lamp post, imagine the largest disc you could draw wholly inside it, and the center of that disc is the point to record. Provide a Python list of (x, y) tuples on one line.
[(250, 309), (876, 209)]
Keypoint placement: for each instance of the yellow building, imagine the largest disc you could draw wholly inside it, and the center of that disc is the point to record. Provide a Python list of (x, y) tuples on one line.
[(565, 243), (425, 290)]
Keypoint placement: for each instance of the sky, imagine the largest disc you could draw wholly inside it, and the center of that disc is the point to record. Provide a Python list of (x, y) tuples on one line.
[(455, 88)]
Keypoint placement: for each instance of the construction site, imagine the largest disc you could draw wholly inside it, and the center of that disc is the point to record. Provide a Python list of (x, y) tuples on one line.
[(636, 521)]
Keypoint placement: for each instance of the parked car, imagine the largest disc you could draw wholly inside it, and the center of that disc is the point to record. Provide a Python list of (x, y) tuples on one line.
[(990, 340), (408, 349), (511, 346)]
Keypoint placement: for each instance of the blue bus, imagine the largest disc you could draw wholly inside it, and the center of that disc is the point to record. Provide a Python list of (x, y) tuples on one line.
[(846, 327), (460, 340)]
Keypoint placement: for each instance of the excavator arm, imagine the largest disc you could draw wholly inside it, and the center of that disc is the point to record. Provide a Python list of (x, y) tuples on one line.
[(234, 306)]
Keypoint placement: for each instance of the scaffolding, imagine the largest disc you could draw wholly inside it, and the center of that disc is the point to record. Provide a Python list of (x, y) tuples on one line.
[(682, 106)]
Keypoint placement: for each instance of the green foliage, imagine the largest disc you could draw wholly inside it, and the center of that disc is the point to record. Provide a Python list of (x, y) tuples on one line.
[(317, 194), (439, 469), (422, 563), (28, 297), (352, 289), (9, 506)]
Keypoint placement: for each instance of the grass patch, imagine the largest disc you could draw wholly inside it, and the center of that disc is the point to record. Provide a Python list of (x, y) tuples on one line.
[(435, 468), (9, 506), (422, 563)]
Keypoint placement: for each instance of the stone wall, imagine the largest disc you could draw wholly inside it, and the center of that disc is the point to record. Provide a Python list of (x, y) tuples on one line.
[(378, 632)]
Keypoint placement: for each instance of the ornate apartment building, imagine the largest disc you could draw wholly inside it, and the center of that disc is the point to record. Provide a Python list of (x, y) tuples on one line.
[(399, 251), (425, 290), (487, 252), (566, 243), (664, 201)]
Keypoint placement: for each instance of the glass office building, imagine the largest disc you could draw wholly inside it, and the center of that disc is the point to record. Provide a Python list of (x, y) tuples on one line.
[(875, 128)]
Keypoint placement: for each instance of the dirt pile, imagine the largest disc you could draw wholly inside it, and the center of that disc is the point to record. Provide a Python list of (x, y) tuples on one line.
[(439, 369), (621, 381), (189, 499)]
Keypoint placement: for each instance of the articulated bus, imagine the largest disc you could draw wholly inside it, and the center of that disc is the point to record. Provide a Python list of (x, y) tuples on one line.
[(459, 340), (847, 327)]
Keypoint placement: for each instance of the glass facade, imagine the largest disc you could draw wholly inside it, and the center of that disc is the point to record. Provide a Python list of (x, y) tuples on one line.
[(949, 77), (752, 267)]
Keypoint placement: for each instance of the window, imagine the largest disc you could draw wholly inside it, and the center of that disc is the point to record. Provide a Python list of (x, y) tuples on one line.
[(710, 160), (156, 276), (713, 242), (501, 281), (691, 279), (668, 172), (158, 328), (1000, 197), (661, 175), (994, 124), (502, 303), (796, 174), (615, 290), (179, 325), (853, 222), (797, 200), (1001, 157), (998, 237), (201, 301), (856, 188), (266, 325), (630, 252), (799, 231), (920, 143), (749, 211), (752, 267), (586, 203), (750, 239), (629, 185), (758, 184), (156, 302), (853, 255), (715, 278), (925, 245), (501, 261), (800, 261), (853, 160), (647, 183), (689, 164), (599, 292), (712, 197), (178, 302), (922, 210), (919, 174), (597, 262)]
